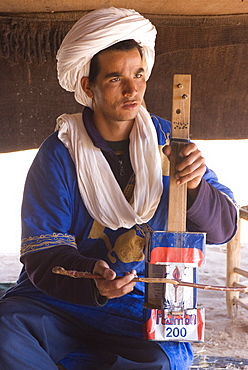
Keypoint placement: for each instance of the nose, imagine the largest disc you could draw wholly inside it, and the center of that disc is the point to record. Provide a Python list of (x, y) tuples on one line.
[(129, 88)]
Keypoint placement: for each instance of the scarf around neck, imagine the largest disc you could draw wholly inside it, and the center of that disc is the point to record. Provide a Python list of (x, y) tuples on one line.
[(98, 187)]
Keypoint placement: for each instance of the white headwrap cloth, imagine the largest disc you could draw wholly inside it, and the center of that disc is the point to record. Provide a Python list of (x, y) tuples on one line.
[(94, 32)]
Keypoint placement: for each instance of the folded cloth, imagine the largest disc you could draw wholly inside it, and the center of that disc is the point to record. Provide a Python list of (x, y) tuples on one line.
[(98, 187)]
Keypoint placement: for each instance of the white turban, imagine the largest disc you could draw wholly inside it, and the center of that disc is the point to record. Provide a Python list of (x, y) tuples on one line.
[(97, 31)]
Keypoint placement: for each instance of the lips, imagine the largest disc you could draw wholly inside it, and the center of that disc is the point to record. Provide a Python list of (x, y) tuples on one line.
[(131, 104)]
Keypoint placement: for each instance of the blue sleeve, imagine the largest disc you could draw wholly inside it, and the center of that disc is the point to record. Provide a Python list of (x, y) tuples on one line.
[(47, 206)]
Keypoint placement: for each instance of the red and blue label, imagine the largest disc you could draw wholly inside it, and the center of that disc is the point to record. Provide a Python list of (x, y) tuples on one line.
[(176, 247)]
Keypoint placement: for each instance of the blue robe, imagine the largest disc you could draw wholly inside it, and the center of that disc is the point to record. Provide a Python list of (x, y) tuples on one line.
[(54, 214)]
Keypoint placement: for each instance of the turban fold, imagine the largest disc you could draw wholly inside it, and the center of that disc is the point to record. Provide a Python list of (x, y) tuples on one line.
[(97, 31)]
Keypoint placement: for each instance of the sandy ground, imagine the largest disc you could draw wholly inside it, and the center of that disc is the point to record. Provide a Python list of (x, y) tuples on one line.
[(224, 337)]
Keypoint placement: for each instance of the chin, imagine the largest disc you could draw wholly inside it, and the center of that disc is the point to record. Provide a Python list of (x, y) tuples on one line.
[(129, 117), (130, 114)]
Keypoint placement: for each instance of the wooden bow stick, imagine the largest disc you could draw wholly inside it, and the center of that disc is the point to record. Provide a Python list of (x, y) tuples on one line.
[(82, 274)]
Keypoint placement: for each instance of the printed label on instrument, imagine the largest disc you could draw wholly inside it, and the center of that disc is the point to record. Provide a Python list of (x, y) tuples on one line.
[(167, 247), (179, 298), (169, 296), (188, 326)]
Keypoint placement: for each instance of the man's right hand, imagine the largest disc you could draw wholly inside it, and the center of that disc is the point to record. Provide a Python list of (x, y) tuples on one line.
[(109, 286)]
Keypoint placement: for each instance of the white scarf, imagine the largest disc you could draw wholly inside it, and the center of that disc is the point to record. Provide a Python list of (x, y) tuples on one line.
[(98, 187)]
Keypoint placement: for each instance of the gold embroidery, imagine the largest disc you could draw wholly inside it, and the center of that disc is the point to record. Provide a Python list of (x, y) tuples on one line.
[(129, 189), (128, 247), (41, 242), (97, 232)]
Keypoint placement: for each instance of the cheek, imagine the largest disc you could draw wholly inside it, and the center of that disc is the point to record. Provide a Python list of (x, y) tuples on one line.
[(104, 94), (98, 97), (144, 86), (141, 87), (111, 97)]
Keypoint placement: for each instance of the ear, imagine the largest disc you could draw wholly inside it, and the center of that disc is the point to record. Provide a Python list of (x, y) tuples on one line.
[(86, 86)]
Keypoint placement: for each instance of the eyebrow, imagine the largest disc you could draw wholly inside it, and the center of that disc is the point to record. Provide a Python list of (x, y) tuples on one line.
[(118, 74)]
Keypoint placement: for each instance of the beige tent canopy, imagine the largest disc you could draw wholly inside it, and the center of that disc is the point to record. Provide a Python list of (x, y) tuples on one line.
[(207, 39), (166, 7)]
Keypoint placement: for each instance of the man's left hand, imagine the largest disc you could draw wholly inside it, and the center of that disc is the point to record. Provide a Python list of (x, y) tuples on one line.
[(192, 166)]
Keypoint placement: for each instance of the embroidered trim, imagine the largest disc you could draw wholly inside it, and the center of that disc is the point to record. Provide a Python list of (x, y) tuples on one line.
[(129, 189), (34, 243)]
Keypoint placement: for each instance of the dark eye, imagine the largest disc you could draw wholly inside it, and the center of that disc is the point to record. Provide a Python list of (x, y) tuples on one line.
[(115, 79)]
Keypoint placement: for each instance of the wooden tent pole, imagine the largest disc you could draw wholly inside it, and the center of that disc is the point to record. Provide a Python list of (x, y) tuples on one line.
[(233, 260)]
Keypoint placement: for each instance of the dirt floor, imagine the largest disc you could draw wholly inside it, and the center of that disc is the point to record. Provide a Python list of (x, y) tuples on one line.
[(226, 339)]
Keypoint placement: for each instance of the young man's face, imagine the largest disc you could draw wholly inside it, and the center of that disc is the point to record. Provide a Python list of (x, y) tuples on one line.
[(119, 86)]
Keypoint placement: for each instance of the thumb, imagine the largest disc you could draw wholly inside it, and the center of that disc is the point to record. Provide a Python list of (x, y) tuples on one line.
[(102, 268), (167, 150)]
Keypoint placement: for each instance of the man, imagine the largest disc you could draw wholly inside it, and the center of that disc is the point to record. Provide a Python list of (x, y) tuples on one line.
[(95, 184)]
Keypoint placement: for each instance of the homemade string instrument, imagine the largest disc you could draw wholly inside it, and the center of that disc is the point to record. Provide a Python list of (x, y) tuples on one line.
[(172, 256), (175, 254)]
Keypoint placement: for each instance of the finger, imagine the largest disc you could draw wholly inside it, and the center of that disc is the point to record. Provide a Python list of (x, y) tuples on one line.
[(191, 172), (195, 156), (134, 272), (102, 268), (167, 150), (116, 288), (190, 167), (109, 274), (188, 149), (129, 276), (193, 176), (110, 293)]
